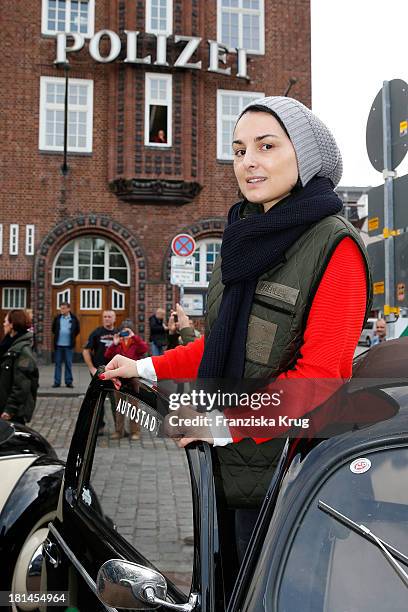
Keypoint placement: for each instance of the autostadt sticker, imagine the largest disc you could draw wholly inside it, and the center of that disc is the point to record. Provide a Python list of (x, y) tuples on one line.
[(138, 412), (360, 466)]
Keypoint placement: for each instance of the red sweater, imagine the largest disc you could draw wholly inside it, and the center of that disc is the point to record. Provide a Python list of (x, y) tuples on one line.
[(331, 334), (135, 348)]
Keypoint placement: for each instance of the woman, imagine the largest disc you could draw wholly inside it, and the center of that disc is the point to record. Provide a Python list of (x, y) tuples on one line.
[(288, 263), (126, 343), (18, 370)]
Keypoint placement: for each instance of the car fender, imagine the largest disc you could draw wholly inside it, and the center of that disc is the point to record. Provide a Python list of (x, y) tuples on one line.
[(12, 468), (36, 491)]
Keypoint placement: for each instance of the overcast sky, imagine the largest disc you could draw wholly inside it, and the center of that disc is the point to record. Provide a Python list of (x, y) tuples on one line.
[(349, 64)]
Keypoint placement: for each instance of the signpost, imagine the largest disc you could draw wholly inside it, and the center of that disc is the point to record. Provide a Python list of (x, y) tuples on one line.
[(182, 261), (387, 145)]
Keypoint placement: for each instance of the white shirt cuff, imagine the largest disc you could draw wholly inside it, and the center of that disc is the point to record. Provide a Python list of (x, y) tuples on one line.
[(220, 433), (146, 369)]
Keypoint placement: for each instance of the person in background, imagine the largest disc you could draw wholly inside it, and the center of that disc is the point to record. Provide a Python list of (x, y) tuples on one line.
[(158, 331), (380, 332), (127, 343), (180, 329), (94, 353), (160, 137), (65, 328), (18, 370)]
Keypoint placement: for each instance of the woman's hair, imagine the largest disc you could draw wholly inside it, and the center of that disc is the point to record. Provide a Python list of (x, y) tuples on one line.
[(259, 108), (18, 319)]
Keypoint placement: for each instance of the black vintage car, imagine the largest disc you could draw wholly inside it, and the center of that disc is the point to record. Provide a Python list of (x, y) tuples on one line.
[(332, 533), (30, 483)]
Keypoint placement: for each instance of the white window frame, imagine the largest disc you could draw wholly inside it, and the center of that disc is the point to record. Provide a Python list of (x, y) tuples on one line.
[(118, 295), (149, 102), (243, 11), (91, 19), (169, 19), (10, 305), (75, 277), (98, 292), (239, 94), (29, 239), (63, 296), (1, 239), (44, 80), (13, 243), (202, 247)]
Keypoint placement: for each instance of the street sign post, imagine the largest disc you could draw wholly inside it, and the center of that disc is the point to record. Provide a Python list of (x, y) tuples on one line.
[(182, 270), (387, 145), (182, 261)]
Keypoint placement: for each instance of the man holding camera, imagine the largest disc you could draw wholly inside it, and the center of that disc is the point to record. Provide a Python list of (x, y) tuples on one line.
[(128, 344)]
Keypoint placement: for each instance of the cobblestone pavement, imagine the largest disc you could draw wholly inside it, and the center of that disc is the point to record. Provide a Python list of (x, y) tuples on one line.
[(143, 486)]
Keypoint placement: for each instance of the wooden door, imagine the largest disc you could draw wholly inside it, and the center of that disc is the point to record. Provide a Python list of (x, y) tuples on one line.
[(88, 301)]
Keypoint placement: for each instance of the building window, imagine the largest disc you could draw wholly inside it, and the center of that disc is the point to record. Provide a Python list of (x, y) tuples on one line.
[(29, 242), (80, 114), (158, 110), (91, 259), (13, 246), (68, 16), (205, 255), (159, 17), (91, 299), (1, 239), (14, 297), (241, 24), (229, 106), (118, 300), (63, 296)]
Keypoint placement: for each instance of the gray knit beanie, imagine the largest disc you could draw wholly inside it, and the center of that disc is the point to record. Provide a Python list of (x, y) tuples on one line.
[(316, 150)]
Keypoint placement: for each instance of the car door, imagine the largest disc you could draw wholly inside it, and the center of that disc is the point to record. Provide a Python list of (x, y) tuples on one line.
[(144, 501)]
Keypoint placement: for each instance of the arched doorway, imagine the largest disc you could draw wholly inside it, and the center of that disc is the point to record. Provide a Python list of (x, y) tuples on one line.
[(92, 273)]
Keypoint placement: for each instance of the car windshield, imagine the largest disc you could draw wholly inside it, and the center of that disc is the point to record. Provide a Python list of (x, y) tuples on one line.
[(332, 568)]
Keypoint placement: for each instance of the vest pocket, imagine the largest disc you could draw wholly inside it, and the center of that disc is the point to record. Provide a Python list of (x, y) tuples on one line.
[(268, 327), (260, 339)]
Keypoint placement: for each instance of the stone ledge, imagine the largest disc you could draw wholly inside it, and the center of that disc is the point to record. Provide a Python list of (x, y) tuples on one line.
[(155, 190)]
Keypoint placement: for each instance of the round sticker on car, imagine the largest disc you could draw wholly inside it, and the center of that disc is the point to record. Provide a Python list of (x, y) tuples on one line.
[(360, 466)]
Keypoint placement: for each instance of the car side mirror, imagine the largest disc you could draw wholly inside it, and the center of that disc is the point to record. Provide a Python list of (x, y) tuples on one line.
[(130, 586), (122, 584)]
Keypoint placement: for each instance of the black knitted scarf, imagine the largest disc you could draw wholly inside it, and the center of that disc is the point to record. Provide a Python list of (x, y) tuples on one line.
[(250, 247)]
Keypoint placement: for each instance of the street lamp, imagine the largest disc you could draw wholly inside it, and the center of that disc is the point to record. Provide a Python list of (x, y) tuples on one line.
[(291, 82), (64, 166)]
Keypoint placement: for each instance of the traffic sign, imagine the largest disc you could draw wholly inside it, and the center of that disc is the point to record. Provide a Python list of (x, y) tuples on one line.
[(182, 270), (376, 221), (377, 261), (183, 245), (399, 126)]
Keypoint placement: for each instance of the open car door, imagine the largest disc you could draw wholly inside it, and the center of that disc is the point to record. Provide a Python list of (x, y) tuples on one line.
[(146, 504)]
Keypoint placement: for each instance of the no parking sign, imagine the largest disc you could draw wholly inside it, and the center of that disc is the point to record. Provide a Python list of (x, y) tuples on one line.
[(183, 245)]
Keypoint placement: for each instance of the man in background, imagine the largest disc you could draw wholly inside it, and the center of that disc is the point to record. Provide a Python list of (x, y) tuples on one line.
[(380, 332), (158, 332), (94, 350), (65, 328)]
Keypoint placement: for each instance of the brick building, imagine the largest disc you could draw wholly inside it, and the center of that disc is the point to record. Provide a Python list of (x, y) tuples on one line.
[(148, 136)]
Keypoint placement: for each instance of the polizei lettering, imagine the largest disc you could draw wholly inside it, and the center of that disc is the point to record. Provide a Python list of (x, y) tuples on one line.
[(138, 415), (71, 42)]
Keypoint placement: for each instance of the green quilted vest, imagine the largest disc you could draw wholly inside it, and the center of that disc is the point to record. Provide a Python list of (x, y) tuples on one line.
[(281, 305)]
